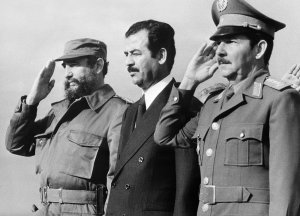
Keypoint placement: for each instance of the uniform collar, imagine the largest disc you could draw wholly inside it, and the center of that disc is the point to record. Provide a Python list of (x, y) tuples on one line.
[(94, 101), (252, 86)]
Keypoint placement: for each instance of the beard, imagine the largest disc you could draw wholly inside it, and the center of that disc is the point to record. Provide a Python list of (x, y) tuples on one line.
[(84, 87)]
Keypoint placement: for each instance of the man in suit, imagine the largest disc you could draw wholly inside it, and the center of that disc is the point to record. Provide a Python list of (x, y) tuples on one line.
[(247, 136), (149, 179)]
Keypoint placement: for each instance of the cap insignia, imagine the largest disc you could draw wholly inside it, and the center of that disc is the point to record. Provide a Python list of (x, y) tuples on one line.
[(221, 5)]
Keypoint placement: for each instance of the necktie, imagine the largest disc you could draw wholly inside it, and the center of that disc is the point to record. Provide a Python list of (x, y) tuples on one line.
[(140, 111)]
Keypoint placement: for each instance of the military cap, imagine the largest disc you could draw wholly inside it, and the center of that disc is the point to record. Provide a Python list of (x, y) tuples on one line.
[(238, 16), (83, 47)]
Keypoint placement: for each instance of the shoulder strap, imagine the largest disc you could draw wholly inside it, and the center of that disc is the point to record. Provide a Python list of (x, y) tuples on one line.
[(275, 83), (210, 91)]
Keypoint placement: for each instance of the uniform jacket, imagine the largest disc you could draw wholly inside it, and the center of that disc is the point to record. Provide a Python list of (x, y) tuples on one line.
[(75, 146), (248, 147), (149, 179)]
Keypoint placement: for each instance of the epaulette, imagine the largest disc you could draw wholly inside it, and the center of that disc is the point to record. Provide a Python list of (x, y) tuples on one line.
[(211, 90), (275, 83), (127, 100)]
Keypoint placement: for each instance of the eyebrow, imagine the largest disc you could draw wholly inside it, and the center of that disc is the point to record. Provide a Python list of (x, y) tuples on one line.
[(131, 51)]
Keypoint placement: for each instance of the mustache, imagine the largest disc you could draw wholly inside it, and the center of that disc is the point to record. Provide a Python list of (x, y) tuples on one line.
[(132, 69), (68, 81), (223, 60), (72, 80)]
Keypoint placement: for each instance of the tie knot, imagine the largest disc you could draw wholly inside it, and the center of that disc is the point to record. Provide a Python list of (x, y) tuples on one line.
[(142, 100), (140, 110)]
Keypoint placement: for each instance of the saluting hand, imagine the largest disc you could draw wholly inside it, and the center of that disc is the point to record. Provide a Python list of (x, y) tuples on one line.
[(201, 67), (42, 85), (292, 77)]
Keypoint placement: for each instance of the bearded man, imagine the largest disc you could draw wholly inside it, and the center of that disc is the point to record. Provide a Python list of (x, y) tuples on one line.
[(76, 143)]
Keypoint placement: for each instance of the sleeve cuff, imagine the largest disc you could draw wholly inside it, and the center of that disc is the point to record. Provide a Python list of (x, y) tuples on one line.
[(180, 96), (23, 107)]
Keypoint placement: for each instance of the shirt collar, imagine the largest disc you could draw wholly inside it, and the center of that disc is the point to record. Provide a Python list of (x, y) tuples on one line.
[(94, 101), (153, 91)]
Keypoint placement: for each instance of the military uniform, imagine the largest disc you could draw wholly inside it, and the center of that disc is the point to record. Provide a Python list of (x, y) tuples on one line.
[(74, 147), (248, 148), (247, 140), (75, 144)]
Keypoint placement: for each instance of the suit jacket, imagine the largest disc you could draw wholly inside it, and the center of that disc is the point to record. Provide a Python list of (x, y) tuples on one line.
[(149, 179), (248, 147)]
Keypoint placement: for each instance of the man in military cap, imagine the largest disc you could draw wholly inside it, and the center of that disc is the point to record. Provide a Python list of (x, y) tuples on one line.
[(247, 135), (76, 143)]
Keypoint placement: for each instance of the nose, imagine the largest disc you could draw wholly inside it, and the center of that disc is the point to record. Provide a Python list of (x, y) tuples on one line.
[(221, 50), (68, 73), (129, 60)]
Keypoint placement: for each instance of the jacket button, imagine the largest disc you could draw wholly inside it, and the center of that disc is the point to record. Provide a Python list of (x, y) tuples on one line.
[(205, 180), (127, 186), (141, 159), (205, 207), (215, 126), (209, 152), (113, 185), (175, 99), (41, 142)]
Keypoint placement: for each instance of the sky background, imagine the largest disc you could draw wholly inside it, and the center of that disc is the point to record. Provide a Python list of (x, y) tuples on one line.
[(34, 31)]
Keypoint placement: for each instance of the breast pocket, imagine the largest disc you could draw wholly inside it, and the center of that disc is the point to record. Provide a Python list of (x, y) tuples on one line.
[(199, 137), (80, 153), (243, 145)]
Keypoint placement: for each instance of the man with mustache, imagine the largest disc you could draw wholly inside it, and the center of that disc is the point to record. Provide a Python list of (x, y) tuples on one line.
[(247, 136), (76, 143), (149, 179)]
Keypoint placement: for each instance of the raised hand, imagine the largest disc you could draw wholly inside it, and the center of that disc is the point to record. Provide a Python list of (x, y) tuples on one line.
[(201, 67), (292, 77), (42, 85)]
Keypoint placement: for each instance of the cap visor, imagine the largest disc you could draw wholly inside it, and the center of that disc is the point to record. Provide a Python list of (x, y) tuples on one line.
[(71, 56), (230, 30)]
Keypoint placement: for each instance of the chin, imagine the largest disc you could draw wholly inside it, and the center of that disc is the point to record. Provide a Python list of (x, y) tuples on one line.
[(136, 82), (227, 73)]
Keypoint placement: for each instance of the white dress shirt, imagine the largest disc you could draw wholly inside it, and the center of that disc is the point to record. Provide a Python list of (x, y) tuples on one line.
[(153, 91)]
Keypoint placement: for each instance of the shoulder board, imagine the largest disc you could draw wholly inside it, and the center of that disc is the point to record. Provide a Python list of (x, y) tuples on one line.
[(275, 83), (211, 90), (128, 101)]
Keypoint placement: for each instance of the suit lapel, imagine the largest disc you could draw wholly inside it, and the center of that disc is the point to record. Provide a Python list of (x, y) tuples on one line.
[(127, 125), (145, 129)]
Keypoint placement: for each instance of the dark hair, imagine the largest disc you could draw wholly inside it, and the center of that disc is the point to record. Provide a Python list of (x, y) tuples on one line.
[(92, 60), (255, 37), (160, 35)]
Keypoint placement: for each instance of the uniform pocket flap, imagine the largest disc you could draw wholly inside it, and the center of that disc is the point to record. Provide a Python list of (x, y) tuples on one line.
[(84, 139), (243, 132)]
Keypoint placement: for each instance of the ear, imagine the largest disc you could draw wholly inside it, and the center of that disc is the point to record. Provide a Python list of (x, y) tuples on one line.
[(261, 48), (99, 65), (162, 55)]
